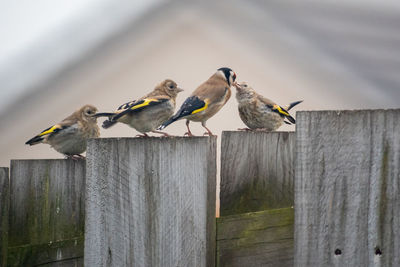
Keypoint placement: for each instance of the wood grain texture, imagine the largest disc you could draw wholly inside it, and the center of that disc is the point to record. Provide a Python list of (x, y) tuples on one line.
[(151, 202), (4, 207), (257, 171), (46, 212), (347, 192), (263, 238)]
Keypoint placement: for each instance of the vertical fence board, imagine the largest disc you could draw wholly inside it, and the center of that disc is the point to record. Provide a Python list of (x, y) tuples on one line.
[(263, 238), (46, 224), (4, 206), (257, 171), (347, 194), (150, 202)]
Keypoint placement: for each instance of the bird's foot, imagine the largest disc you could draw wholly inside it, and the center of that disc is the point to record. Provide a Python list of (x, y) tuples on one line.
[(75, 157), (142, 135), (189, 134), (209, 134), (262, 130), (163, 133), (245, 129)]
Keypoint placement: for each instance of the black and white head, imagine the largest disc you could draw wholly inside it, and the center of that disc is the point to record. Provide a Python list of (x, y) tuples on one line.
[(244, 92), (228, 74)]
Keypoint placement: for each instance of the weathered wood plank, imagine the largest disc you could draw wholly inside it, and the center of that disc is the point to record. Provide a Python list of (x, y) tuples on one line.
[(257, 171), (347, 190), (46, 212), (263, 238), (150, 202), (4, 206)]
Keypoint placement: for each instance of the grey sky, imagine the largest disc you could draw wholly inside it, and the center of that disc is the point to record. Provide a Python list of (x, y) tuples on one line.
[(32, 31)]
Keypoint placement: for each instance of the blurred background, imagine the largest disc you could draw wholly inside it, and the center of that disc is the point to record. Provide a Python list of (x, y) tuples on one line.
[(56, 56)]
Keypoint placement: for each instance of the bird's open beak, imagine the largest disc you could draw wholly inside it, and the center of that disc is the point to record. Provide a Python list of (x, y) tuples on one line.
[(237, 85)]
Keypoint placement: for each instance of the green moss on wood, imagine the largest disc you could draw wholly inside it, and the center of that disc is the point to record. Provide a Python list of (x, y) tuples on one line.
[(257, 197), (267, 232), (31, 255), (51, 210)]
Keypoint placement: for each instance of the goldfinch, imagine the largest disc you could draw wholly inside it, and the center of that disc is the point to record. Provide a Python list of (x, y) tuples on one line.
[(69, 136), (206, 100), (149, 112), (260, 113)]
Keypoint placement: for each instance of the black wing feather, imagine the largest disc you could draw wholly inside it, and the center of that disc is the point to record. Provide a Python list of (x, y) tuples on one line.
[(39, 138), (190, 105)]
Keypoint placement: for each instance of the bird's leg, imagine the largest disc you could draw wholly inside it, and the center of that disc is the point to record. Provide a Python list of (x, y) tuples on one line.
[(142, 135), (164, 134), (245, 129), (209, 133), (188, 133)]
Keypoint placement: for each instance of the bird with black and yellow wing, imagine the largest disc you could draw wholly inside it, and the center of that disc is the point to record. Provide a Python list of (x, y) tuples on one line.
[(70, 135), (206, 100), (260, 113), (148, 112)]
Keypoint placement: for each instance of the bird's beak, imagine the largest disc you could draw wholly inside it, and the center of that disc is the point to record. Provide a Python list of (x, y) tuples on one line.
[(237, 85), (180, 89), (102, 114)]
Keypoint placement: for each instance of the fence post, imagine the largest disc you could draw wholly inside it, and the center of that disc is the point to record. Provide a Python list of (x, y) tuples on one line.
[(46, 218), (257, 221), (150, 202), (4, 206), (347, 189), (257, 171)]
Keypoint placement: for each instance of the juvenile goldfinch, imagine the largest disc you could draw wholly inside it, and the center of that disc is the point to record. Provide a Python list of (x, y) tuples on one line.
[(260, 113), (206, 100), (147, 113), (69, 136)]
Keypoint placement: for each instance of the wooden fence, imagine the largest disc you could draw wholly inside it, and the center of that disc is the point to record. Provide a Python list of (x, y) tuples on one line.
[(46, 212), (151, 202), (4, 207), (257, 171), (347, 190)]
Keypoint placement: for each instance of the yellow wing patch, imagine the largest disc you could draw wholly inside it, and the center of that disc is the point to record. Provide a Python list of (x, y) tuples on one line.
[(145, 103), (50, 130), (202, 108), (280, 110)]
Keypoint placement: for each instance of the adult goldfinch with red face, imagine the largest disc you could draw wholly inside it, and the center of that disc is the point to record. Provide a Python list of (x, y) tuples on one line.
[(260, 113), (149, 112), (206, 100), (70, 135)]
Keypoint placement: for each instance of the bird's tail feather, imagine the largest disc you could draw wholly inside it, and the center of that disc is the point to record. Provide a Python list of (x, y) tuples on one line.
[(291, 119), (291, 105), (35, 140), (168, 122), (108, 123)]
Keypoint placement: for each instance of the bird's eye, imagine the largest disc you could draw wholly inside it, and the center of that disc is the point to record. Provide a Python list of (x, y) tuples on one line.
[(171, 86), (245, 85)]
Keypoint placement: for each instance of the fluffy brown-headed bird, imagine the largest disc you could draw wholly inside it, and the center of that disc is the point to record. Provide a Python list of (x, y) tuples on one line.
[(149, 112), (260, 113), (206, 100), (70, 135)]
